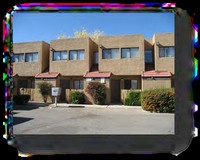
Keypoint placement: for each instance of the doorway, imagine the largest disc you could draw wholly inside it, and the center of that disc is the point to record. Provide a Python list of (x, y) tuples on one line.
[(64, 84), (115, 91)]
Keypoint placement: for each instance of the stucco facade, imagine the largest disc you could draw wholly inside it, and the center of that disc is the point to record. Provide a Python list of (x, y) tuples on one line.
[(163, 63), (120, 63), (122, 66), (31, 68), (70, 67)]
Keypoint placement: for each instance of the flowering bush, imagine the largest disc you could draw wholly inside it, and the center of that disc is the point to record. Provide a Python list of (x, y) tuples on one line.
[(159, 100), (97, 91)]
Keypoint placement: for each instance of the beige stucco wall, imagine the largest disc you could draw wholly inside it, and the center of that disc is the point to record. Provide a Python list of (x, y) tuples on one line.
[(31, 68), (37, 95), (164, 63), (120, 66), (148, 43), (71, 67), (93, 47), (152, 84), (45, 57)]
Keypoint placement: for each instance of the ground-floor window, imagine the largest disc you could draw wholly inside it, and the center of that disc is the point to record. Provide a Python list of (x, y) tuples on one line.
[(78, 84), (130, 84), (22, 83)]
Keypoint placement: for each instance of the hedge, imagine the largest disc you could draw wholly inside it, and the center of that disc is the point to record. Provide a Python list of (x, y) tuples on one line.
[(77, 97), (21, 99), (158, 100), (133, 98)]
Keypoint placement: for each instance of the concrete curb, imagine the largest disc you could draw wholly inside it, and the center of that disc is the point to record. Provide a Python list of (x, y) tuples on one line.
[(91, 106)]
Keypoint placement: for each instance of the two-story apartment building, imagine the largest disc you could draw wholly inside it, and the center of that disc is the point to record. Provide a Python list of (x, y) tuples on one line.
[(29, 59), (121, 63)]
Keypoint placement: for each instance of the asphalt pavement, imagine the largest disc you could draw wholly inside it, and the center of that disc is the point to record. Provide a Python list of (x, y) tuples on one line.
[(40, 118)]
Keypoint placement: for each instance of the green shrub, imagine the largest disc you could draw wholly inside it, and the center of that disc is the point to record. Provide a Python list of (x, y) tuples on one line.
[(26, 98), (21, 99), (159, 100), (133, 98), (45, 90), (77, 97), (97, 91)]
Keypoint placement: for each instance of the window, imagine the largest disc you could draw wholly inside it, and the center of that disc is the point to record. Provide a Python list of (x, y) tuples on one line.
[(76, 54), (130, 84), (148, 56), (33, 83), (31, 57), (78, 84), (59, 55), (166, 52), (18, 57), (130, 52), (111, 53), (22, 83)]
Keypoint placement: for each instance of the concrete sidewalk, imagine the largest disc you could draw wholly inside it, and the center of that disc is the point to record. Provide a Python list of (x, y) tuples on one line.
[(91, 105)]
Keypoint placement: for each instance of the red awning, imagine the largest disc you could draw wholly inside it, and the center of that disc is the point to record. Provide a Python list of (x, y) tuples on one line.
[(156, 74), (47, 75), (97, 74)]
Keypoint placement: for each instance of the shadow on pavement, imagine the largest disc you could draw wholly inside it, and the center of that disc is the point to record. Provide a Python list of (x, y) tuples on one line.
[(18, 120), (72, 106), (30, 106)]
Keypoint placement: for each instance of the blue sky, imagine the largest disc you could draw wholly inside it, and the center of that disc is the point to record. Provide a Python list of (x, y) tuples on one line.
[(47, 26)]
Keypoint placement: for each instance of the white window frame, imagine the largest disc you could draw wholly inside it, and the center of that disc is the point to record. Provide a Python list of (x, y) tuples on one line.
[(111, 52), (60, 55), (166, 51), (131, 53), (31, 54), (18, 55), (76, 54)]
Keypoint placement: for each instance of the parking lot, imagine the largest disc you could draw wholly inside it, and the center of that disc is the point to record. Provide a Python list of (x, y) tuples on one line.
[(113, 119)]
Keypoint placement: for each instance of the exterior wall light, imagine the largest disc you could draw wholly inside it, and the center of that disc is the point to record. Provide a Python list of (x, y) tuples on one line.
[(157, 44), (51, 49)]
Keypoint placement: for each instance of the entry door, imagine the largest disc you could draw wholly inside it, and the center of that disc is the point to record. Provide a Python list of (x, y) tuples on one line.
[(64, 84), (115, 91)]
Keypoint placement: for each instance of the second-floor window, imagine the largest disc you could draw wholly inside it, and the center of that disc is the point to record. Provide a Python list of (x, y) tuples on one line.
[(78, 84), (148, 56), (110, 53), (31, 57), (59, 55), (19, 57), (166, 52), (130, 52), (76, 54)]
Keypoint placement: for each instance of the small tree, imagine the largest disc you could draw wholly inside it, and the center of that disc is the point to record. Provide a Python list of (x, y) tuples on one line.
[(45, 90), (97, 91)]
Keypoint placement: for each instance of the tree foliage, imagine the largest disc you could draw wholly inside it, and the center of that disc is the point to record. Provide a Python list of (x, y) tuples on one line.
[(45, 90), (83, 34), (97, 91)]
